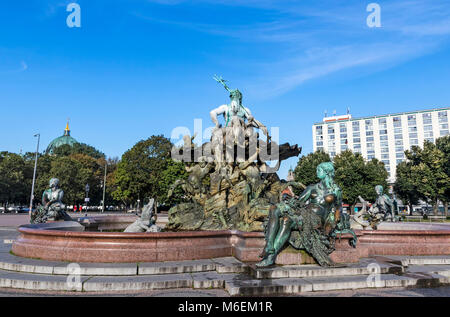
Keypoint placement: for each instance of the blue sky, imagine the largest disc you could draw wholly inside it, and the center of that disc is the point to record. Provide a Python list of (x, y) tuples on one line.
[(137, 68)]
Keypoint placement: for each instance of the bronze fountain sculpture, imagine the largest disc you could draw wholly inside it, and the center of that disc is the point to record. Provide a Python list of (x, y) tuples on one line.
[(52, 208)]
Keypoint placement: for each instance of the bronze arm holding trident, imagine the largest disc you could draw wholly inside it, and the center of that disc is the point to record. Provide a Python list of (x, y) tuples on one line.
[(235, 108)]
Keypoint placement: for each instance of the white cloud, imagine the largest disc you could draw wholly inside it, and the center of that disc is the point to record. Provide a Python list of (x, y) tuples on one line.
[(24, 66), (313, 40)]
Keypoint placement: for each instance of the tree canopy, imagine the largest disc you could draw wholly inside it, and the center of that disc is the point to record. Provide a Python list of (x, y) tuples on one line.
[(425, 173), (146, 170), (353, 174)]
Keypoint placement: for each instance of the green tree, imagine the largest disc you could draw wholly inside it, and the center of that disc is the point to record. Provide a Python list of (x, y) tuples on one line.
[(305, 171), (78, 148), (173, 171), (140, 170), (405, 187), (13, 187), (443, 144), (353, 174), (358, 177), (427, 171), (74, 172)]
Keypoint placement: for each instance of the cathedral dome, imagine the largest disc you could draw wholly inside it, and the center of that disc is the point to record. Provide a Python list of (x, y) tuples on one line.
[(62, 140)]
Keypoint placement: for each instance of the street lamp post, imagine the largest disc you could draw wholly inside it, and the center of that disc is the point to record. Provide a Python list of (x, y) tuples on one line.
[(34, 173), (104, 188), (87, 196)]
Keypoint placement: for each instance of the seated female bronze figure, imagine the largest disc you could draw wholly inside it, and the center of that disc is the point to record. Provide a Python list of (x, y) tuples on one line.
[(308, 222)]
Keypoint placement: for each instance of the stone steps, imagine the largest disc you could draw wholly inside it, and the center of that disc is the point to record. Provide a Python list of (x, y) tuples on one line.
[(265, 287), (364, 267), (9, 262), (234, 284), (237, 278), (29, 281), (421, 260)]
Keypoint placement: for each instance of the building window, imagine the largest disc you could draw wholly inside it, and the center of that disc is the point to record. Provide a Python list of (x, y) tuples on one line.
[(384, 156), (386, 162), (384, 144), (356, 140), (319, 137), (382, 132), (344, 141), (412, 120), (384, 150), (398, 130), (319, 143), (428, 128), (344, 136), (398, 137), (369, 139), (442, 117), (399, 149), (426, 118), (355, 125), (414, 142), (370, 157), (383, 137), (397, 122), (413, 135), (444, 132), (369, 133), (331, 129), (331, 137), (399, 161), (399, 142), (319, 130), (428, 134)]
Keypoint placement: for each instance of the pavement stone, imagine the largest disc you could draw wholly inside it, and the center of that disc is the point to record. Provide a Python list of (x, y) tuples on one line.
[(176, 267), (313, 270), (267, 287), (29, 281), (148, 282), (211, 279), (230, 265)]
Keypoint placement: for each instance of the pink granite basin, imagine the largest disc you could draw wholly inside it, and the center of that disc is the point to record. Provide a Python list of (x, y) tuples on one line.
[(58, 244)]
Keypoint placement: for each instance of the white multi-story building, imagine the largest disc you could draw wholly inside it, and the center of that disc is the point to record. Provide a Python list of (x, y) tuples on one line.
[(384, 137)]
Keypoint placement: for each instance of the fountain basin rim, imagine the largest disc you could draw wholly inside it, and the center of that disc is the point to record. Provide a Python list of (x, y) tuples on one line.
[(122, 235), (155, 235), (405, 232)]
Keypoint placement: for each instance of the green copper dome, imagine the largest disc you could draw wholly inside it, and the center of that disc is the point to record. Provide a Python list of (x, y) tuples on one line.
[(62, 140)]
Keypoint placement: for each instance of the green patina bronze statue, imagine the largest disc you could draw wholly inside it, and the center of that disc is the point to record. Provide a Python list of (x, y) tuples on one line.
[(230, 184), (310, 222), (384, 209), (52, 207)]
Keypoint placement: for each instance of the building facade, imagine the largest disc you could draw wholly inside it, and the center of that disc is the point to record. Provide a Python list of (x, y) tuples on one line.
[(384, 137)]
